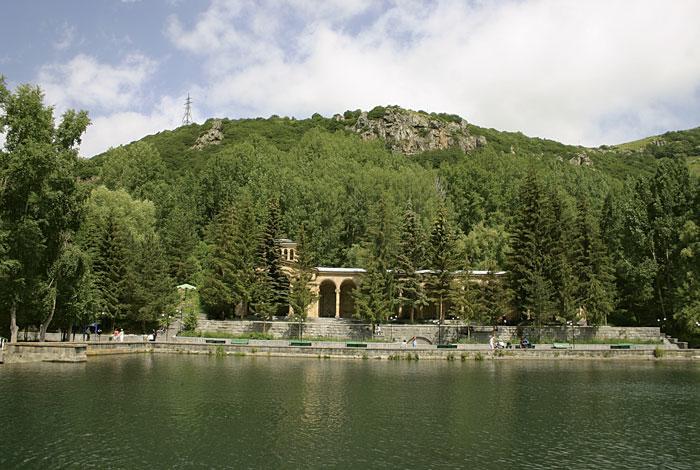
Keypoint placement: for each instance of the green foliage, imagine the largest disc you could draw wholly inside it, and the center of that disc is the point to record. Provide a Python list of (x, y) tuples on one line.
[(377, 112), (442, 256), (40, 202), (375, 297), (301, 296), (410, 258), (512, 204)]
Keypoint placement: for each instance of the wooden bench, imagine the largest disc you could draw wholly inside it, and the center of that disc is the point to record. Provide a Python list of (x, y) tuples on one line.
[(239, 341), (621, 346), (215, 341), (355, 345), (561, 345), (447, 346), (300, 343)]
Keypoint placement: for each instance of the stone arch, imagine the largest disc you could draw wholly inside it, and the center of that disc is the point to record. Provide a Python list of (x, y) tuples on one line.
[(326, 299), (284, 254), (291, 254), (347, 301)]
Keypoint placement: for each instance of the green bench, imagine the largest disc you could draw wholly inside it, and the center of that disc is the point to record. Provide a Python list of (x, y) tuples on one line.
[(561, 345), (240, 341), (300, 343), (355, 345), (621, 346), (447, 346), (215, 341)]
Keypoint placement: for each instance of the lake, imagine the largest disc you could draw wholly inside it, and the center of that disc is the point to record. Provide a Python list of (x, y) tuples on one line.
[(180, 411)]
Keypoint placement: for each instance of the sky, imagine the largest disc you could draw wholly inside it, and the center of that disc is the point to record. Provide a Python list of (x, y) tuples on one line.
[(580, 72)]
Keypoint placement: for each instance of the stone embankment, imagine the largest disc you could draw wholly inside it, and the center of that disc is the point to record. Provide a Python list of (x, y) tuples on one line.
[(314, 349), (80, 352), (449, 332), (44, 352)]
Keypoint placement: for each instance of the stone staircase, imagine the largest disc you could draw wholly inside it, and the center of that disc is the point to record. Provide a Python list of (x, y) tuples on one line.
[(671, 341)]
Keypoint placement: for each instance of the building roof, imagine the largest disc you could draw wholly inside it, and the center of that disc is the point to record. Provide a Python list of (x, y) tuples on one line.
[(326, 269)]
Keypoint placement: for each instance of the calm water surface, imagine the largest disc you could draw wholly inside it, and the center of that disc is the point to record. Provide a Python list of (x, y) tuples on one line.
[(160, 411)]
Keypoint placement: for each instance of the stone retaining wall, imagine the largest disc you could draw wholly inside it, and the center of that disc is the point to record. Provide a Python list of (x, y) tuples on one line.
[(449, 332), (381, 351), (45, 352)]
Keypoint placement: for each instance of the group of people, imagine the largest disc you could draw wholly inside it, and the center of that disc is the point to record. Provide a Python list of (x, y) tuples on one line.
[(498, 344)]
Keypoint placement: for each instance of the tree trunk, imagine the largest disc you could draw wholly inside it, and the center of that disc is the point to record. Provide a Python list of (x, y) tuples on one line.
[(45, 325), (13, 323), (412, 310), (442, 311), (70, 330)]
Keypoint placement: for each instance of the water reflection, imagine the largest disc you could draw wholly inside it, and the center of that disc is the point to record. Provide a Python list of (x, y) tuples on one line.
[(240, 412)]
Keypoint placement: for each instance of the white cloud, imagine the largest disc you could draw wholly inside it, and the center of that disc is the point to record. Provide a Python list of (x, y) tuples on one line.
[(581, 72), (86, 82)]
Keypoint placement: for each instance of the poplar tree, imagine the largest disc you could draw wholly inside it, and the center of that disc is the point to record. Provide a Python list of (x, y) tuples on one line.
[(39, 196)]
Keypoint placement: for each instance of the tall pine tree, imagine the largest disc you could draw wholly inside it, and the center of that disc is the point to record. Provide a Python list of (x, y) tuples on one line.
[(410, 258)]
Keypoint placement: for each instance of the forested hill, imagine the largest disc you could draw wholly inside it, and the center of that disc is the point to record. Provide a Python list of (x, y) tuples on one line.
[(609, 229), (413, 133)]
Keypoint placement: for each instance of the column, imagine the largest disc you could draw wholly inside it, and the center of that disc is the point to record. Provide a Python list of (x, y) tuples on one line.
[(337, 302)]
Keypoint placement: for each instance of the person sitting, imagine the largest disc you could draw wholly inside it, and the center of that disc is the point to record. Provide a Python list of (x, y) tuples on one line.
[(524, 343)]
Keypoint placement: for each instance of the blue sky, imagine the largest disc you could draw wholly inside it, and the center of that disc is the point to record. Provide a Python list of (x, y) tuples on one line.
[(585, 73)]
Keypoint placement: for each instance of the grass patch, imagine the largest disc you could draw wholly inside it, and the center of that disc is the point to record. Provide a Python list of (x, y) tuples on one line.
[(478, 357), (659, 352), (331, 339), (619, 341), (225, 335)]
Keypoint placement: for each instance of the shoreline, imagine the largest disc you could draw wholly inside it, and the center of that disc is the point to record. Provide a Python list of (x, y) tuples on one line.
[(81, 352)]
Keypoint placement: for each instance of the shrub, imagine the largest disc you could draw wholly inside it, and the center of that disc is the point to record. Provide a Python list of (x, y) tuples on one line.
[(189, 323), (659, 352), (478, 356), (377, 112)]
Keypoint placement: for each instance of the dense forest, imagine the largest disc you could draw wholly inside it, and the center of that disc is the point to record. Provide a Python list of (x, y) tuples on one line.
[(613, 232)]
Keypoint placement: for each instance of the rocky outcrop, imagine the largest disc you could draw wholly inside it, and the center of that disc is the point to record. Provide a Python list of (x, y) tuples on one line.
[(213, 136), (411, 132), (581, 159)]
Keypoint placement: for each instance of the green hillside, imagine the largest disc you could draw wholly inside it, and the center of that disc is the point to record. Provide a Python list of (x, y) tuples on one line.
[(609, 231)]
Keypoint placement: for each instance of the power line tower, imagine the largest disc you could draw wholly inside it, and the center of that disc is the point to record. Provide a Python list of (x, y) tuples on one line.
[(187, 118)]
